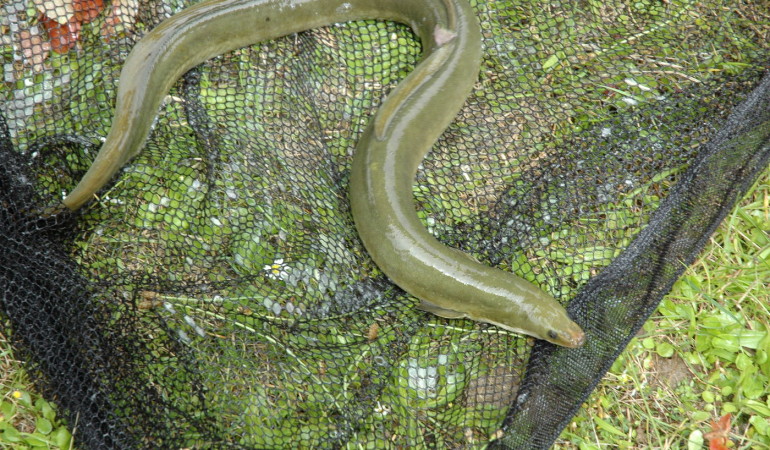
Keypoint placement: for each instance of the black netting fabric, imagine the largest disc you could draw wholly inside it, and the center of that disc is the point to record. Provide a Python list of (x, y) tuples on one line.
[(216, 293)]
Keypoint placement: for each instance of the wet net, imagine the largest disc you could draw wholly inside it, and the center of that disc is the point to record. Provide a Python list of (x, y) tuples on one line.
[(216, 293)]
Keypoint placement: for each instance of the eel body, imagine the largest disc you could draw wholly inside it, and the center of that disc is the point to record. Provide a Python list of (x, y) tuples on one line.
[(448, 282)]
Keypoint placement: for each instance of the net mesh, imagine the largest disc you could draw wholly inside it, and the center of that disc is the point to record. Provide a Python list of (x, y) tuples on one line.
[(216, 294)]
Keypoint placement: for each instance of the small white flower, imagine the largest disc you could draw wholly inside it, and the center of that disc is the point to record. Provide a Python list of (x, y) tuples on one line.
[(276, 270), (630, 101), (184, 337), (382, 410)]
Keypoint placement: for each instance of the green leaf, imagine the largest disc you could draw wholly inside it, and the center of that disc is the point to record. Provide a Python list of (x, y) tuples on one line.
[(36, 440), (743, 362), (760, 424), (608, 427), (762, 355), (587, 446), (695, 440), (726, 342), (751, 338), (45, 409), (758, 407), (43, 425), (665, 350), (753, 387), (10, 434), (550, 62), (700, 416), (62, 437), (7, 409)]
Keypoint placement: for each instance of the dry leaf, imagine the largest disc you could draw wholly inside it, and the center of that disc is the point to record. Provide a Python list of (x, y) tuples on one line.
[(34, 48), (61, 11), (63, 19), (87, 10), (62, 37), (718, 435), (122, 12)]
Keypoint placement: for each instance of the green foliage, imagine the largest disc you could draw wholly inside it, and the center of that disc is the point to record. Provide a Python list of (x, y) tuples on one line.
[(704, 354), (710, 334), (28, 421)]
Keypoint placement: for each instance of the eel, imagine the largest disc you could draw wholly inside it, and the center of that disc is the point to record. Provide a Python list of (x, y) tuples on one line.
[(448, 282)]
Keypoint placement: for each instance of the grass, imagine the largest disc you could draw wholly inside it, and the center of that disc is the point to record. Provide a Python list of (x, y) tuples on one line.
[(26, 419), (679, 374), (703, 354)]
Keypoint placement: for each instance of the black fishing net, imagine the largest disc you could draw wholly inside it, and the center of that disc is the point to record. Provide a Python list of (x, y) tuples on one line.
[(216, 294)]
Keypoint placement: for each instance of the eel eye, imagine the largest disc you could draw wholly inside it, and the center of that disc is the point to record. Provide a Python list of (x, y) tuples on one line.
[(553, 335)]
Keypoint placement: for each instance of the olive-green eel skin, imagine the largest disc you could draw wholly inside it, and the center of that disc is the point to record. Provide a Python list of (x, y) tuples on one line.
[(448, 282)]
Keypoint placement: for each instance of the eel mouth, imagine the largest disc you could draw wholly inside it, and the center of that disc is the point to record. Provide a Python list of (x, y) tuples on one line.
[(572, 337)]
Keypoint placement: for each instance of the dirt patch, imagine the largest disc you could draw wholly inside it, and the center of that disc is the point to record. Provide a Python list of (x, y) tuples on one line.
[(669, 372), (497, 389)]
